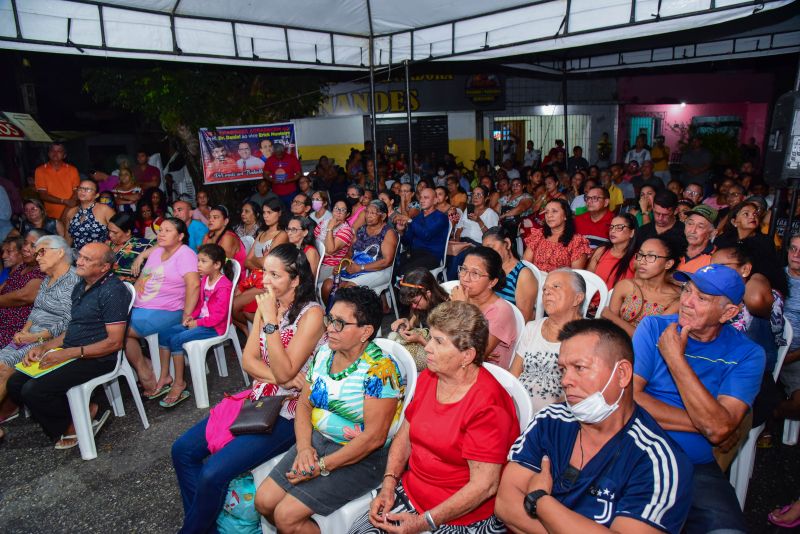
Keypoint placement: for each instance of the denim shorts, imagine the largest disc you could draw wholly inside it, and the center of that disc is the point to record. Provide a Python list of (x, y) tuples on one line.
[(146, 322)]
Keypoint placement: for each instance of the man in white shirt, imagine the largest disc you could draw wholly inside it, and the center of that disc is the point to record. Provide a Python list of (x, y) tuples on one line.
[(532, 156), (246, 161), (638, 153)]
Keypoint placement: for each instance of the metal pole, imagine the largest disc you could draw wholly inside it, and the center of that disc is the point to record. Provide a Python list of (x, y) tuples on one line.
[(408, 121), (372, 95), (566, 128)]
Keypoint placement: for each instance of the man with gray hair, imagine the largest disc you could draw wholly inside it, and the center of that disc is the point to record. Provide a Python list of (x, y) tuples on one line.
[(87, 348), (698, 376)]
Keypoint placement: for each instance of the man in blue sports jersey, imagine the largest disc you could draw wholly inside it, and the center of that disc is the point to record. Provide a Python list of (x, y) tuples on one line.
[(698, 377), (590, 466)]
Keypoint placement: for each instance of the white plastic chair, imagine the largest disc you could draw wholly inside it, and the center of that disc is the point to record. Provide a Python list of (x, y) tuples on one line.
[(540, 276), (317, 282), (196, 353), (340, 520), (448, 286), (441, 270), (248, 241), (742, 466), (594, 285), (387, 287), (520, 396), (791, 427), (79, 398), (520, 319)]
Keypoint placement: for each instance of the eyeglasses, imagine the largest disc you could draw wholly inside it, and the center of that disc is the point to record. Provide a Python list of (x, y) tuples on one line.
[(298, 202), (618, 227), (293, 230), (338, 324), (692, 193), (87, 189), (473, 276), (41, 252), (592, 199), (340, 210), (648, 258)]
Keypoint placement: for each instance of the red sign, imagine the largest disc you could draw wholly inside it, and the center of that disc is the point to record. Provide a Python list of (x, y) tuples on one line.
[(8, 130)]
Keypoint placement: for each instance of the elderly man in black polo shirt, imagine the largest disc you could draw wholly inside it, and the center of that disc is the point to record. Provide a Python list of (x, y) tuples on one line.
[(94, 335)]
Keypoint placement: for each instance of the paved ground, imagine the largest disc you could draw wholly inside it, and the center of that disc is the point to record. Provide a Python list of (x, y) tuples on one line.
[(131, 486)]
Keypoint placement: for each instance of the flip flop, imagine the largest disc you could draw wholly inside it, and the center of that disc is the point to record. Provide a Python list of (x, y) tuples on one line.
[(182, 397), (775, 521), (61, 446), (10, 417), (163, 391), (97, 424)]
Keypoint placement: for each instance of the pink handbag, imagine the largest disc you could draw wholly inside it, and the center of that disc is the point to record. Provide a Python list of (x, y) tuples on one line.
[(221, 418)]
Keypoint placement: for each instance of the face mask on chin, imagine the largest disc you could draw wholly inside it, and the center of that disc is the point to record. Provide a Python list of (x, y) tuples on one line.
[(594, 408)]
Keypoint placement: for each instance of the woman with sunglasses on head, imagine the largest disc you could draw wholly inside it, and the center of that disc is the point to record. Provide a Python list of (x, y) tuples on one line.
[(421, 292), (615, 262), (349, 401), (88, 221), (650, 291), (478, 278), (287, 329)]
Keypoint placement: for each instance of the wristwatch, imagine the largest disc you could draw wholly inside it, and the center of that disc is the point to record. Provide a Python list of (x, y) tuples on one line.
[(323, 471), (532, 499), (270, 328)]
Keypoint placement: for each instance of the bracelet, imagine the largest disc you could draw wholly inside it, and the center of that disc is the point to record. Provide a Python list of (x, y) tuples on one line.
[(429, 520), (82, 351), (397, 478)]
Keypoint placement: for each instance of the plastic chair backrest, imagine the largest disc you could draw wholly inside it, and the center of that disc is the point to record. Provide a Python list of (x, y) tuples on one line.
[(540, 276), (788, 335), (408, 371), (594, 285), (520, 396), (237, 272), (447, 239), (248, 241), (133, 295), (321, 250), (520, 319), (448, 286)]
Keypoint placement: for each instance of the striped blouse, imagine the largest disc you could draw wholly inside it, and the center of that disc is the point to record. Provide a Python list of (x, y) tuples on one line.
[(509, 291), (53, 305)]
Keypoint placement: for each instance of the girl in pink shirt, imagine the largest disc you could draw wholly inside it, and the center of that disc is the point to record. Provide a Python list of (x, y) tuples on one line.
[(210, 318)]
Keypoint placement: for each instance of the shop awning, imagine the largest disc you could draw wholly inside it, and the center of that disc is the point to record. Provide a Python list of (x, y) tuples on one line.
[(21, 127)]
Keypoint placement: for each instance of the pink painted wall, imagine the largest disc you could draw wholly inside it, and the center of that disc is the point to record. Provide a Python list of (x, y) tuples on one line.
[(753, 115)]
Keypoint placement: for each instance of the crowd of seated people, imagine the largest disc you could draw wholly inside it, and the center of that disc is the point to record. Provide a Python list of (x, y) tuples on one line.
[(691, 270)]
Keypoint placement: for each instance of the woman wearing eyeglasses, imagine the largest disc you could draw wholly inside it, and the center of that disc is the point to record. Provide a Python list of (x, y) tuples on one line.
[(614, 263), (478, 278), (88, 221), (338, 237), (18, 292), (301, 234), (650, 291), (287, 328), (556, 244), (349, 400), (420, 291)]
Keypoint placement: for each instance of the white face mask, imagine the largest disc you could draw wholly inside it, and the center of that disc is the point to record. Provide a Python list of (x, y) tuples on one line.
[(594, 408), (440, 173)]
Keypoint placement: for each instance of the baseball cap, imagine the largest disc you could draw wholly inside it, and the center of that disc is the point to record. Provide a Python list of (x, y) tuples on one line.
[(715, 279), (705, 211)]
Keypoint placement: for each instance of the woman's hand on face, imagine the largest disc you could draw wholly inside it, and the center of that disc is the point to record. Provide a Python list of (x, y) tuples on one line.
[(458, 293), (267, 304)]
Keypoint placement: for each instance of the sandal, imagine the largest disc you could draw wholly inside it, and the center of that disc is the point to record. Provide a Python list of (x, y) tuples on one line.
[(158, 393), (66, 443), (775, 521), (166, 403), (10, 417)]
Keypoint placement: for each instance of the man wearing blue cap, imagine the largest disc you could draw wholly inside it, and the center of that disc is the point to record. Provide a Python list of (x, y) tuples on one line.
[(698, 377)]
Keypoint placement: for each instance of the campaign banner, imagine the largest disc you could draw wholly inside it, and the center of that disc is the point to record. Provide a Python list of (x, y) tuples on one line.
[(237, 153)]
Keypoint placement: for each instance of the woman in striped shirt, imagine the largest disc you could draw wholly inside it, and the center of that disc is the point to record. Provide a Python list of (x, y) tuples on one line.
[(521, 286)]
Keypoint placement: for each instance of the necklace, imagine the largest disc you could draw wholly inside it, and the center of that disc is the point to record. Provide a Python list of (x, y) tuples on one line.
[(341, 375)]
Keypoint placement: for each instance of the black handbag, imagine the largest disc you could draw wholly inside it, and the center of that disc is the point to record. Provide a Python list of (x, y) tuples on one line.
[(258, 416)]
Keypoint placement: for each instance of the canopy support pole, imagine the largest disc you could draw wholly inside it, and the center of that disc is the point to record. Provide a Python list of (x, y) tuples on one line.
[(410, 163), (566, 128), (372, 115)]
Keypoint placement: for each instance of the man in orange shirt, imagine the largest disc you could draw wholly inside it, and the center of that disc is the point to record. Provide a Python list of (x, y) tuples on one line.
[(700, 230), (57, 181)]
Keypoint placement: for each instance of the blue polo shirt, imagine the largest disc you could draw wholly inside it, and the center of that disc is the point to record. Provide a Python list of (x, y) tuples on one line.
[(640, 473), (197, 231), (105, 302), (428, 233), (729, 365)]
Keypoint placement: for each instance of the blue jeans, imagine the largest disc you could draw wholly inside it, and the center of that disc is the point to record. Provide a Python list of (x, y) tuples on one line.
[(175, 336), (204, 477), (715, 508)]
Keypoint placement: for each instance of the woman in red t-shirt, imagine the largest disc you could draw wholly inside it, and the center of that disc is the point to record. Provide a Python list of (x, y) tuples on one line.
[(455, 437)]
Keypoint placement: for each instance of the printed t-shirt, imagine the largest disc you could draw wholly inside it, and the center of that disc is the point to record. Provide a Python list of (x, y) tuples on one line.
[(282, 169), (164, 287), (640, 473), (480, 427), (730, 365)]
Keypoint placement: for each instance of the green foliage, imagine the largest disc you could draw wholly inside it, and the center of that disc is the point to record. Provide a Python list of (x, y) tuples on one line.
[(174, 96)]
